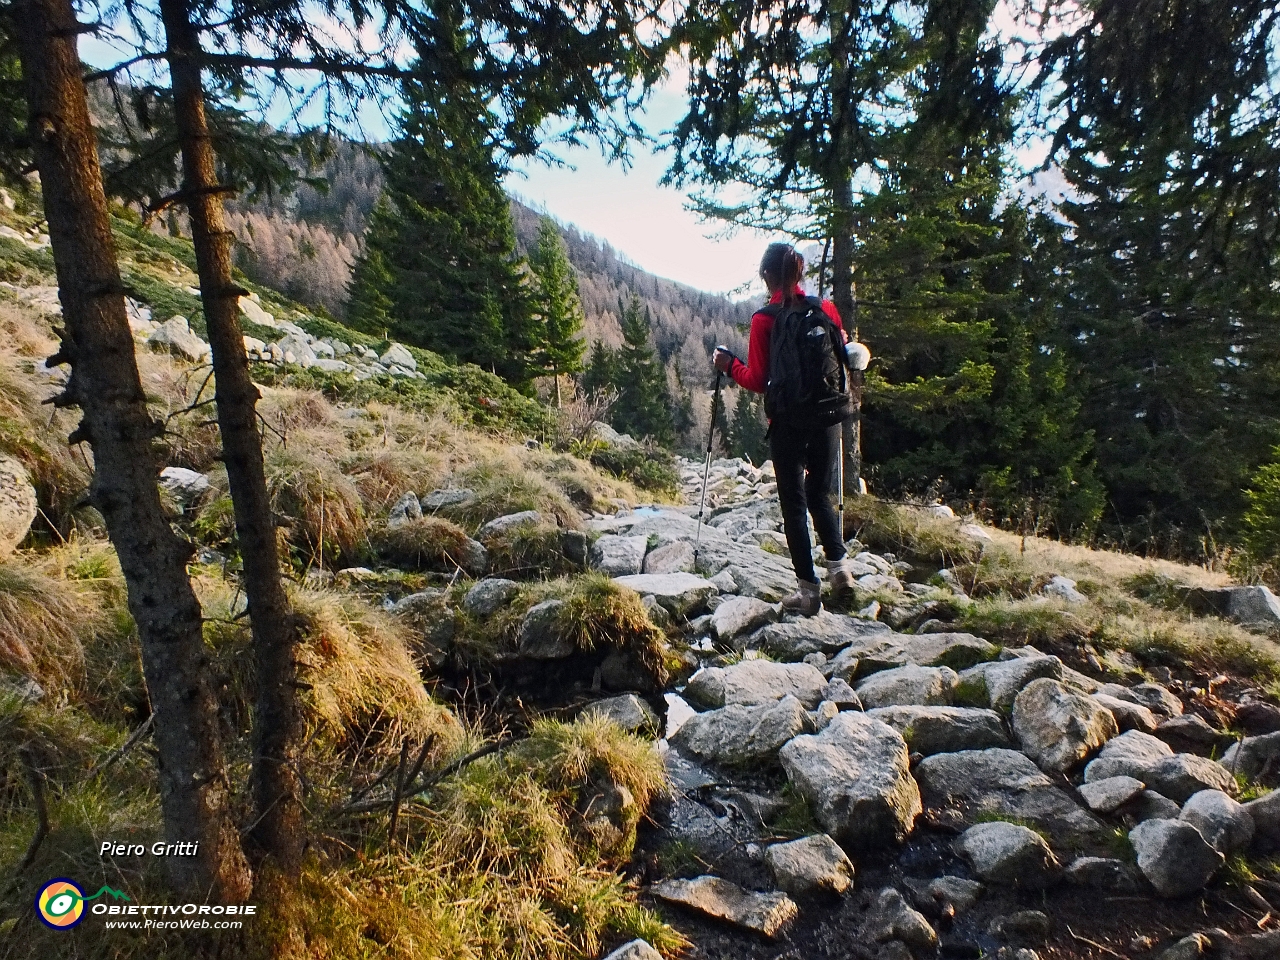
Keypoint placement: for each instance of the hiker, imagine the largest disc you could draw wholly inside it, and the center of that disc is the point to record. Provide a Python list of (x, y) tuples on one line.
[(806, 399)]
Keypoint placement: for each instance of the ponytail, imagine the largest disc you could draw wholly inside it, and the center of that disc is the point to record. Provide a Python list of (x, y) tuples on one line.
[(781, 269)]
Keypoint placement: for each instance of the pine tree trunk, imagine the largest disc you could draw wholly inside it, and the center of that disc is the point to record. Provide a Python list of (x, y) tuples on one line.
[(104, 383), (277, 720), (840, 186)]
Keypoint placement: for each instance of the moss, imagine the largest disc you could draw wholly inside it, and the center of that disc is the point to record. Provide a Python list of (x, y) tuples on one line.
[(972, 692)]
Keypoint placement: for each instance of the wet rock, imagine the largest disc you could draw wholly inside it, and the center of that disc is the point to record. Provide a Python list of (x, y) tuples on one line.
[(1154, 697), (1174, 856), (183, 485), (1129, 716), (1225, 824), (929, 730), (1105, 874), (1008, 854), (1253, 755), (765, 913), (753, 682), (1058, 728), (673, 558), (1109, 795), (1183, 774), (1131, 754), (1022, 927), (856, 779), (998, 782), (891, 918), (825, 633), (928, 686), (810, 866), (742, 735), (998, 684), (680, 593), (1265, 814), (842, 695), (635, 950), (1064, 588), (501, 525), (489, 596), (627, 711), (540, 637), (739, 615)]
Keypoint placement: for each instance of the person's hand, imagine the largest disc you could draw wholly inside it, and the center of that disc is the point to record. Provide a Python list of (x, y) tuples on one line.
[(722, 359)]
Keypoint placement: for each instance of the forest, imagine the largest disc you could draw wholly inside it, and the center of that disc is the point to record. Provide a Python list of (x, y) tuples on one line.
[(356, 538)]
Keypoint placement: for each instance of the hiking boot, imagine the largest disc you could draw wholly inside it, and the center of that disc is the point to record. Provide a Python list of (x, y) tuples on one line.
[(840, 576), (807, 601)]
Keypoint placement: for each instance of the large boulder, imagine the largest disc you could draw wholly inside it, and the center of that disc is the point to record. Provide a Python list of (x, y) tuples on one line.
[(1265, 814), (901, 686), (856, 779), (764, 913), (998, 684), (930, 730), (618, 556), (739, 615), (673, 558), (881, 649), (540, 635), (737, 735), (183, 485), (1057, 728), (1131, 754), (753, 682), (1174, 856), (1255, 606), (1252, 755), (18, 504), (398, 355), (1008, 854), (1128, 715), (489, 596), (175, 336), (502, 525), (628, 711), (1225, 824), (1004, 783), (680, 594), (1154, 697), (1183, 774), (810, 866), (403, 510)]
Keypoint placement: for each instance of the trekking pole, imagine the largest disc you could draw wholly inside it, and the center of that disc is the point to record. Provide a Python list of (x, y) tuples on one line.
[(706, 470), (840, 482)]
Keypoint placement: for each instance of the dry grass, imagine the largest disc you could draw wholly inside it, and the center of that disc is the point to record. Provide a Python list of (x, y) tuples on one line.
[(505, 483), (908, 531), (308, 488), (44, 623), (429, 543), (384, 474), (528, 549)]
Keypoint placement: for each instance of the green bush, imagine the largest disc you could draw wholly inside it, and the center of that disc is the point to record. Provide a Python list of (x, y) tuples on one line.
[(1262, 518), (649, 467)]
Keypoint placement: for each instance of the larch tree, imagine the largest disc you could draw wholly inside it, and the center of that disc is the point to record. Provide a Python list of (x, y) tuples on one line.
[(105, 384)]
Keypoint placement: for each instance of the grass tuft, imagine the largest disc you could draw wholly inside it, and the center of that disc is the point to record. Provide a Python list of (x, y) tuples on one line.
[(429, 543)]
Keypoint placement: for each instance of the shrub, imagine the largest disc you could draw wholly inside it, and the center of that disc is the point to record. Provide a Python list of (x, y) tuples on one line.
[(649, 467), (1262, 518)]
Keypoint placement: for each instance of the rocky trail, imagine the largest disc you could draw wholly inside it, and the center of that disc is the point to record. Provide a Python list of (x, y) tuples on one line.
[(950, 798)]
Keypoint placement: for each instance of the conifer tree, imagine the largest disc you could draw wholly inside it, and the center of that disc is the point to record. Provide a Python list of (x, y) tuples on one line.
[(746, 435), (558, 305), (644, 407), (600, 373)]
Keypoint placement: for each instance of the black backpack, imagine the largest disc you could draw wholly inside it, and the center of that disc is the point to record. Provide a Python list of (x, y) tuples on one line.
[(808, 368)]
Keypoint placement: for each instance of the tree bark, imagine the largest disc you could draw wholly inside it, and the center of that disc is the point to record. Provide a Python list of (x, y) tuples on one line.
[(277, 725), (840, 229), (104, 383)]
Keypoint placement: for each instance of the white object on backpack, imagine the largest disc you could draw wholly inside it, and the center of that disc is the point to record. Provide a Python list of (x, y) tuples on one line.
[(858, 354)]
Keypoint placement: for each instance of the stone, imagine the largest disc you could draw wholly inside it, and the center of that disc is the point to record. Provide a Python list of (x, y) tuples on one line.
[(1008, 854), (929, 730), (628, 711), (925, 686), (175, 336), (635, 950), (399, 356), (623, 670), (1174, 856), (821, 717), (610, 437), (1188, 948), (998, 684), (1023, 926), (1153, 696), (1257, 717), (1004, 783), (501, 525), (1057, 728), (1225, 824), (810, 866), (327, 365), (842, 695), (878, 581), (1251, 605), (890, 918), (618, 556), (1265, 814), (183, 485), (825, 633), (298, 345), (765, 913), (1150, 805), (739, 615), (680, 593), (856, 778), (1189, 730), (540, 637), (659, 616), (251, 307), (1105, 874), (1063, 588), (673, 558), (1129, 755), (1260, 946), (474, 558), (489, 596), (452, 497), (403, 510), (953, 894), (1109, 795), (1254, 755), (1128, 716), (1183, 774), (741, 735), (753, 682)]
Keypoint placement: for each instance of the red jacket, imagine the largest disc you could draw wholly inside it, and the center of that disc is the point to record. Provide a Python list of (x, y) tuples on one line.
[(754, 374)]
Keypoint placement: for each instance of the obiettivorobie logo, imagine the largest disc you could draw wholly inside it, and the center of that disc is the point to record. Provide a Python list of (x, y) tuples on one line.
[(60, 902)]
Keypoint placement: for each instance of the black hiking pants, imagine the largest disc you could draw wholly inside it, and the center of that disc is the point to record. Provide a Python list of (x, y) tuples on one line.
[(804, 462)]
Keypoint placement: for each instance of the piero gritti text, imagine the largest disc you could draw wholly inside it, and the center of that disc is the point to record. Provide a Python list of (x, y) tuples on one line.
[(183, 848)]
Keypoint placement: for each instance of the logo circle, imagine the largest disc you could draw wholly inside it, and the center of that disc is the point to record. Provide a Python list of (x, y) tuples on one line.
[(60, 904)]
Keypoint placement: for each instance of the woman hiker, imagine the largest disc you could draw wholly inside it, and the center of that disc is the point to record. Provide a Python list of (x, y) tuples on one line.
[(804, 450)]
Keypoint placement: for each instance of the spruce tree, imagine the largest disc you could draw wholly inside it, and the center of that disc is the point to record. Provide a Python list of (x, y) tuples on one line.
[(600, 374), (746, 435), (558, 305), (644, 407)]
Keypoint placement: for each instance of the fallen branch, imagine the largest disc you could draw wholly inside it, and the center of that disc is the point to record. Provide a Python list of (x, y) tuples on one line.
[(125, 747), (412, 789), (1095, 943), (36, 779)]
